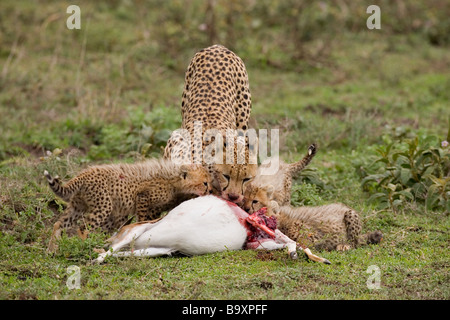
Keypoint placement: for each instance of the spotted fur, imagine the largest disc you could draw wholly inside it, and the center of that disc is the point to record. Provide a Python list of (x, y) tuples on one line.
[(106, 196), (217, 96), (275, 190), (328, 227)]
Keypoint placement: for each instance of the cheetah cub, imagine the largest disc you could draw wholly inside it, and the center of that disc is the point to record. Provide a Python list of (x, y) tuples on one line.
[(329, 227), (105, 196), (275, 190)]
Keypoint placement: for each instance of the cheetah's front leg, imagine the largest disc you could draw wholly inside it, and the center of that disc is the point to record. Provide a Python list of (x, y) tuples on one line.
[(151, 193)]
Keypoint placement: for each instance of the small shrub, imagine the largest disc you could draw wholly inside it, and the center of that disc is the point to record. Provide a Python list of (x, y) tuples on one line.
[(409, 168)]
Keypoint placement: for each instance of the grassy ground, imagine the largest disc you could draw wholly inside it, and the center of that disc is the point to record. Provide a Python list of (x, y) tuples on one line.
[(73, 98)]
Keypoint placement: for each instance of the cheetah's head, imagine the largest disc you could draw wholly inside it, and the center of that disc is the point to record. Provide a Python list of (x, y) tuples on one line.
[(232, 178), (256, 197), (195, 179)]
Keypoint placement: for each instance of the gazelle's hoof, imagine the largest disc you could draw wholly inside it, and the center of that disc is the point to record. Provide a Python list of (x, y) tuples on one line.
[(293, 255), (99, 260)]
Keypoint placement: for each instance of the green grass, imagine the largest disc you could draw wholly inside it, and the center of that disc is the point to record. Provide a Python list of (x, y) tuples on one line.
[(111, 92), (412, 261)]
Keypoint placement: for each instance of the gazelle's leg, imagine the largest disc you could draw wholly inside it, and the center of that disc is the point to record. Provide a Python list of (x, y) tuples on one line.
[(148, 252), (291, 245), (312, 256), (280, 242), (124, 237), (267, 244)]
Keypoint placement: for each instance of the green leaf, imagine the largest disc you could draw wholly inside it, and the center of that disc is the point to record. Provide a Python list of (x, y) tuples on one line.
[(391, 186), (438, 181), (432, 198), (372, 177), (379, 195), (405, 175), (380, 160), (430, 140), (398, 154), (397, 203), (383, 205), (406, 165), (406, 193)]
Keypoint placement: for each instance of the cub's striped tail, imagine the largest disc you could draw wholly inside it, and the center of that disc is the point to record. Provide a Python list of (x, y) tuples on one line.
[(64, 192), (298, 166)]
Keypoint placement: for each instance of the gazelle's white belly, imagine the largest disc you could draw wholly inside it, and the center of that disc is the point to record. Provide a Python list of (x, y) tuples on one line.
[(198, 226)]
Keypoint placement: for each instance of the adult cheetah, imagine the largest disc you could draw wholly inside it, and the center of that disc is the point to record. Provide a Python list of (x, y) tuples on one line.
[(216, 104)]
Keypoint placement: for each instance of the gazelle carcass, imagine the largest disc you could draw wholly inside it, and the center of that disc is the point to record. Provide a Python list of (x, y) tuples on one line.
[(203, 225)]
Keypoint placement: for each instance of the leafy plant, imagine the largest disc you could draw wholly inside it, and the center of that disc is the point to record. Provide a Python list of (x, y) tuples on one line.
[(409, 169)]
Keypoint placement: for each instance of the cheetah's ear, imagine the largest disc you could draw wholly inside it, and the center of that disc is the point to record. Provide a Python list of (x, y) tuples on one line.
[(270, 189)]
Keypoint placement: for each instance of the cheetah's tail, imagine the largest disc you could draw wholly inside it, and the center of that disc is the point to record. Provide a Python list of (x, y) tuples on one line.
[(55, 184), (312, 149), (298, 166)]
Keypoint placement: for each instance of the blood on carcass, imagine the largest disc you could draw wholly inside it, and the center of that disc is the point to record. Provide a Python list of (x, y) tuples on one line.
[(258, 225), (261, 226)]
